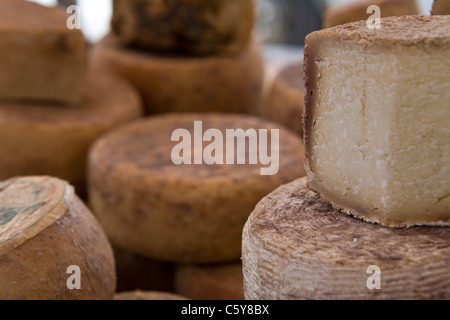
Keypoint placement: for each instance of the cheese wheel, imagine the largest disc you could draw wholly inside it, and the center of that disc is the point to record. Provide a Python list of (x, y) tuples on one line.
[(441, 7), (297, 247), (187, 26), (286, 98), (381, 151), (187, 84), (147, 295), (41, 58), (44, 230), (182, 213), (210, 282), (138, 272), (356, 11), (47, 139)]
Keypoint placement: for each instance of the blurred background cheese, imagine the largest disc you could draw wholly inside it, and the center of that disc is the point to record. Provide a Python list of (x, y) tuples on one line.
[(297, 247), (357, 10), (185, 213), (185, 26), (45, 229), (441, 7), (47, 139), (210, 282), (41, 59), (377, 119)]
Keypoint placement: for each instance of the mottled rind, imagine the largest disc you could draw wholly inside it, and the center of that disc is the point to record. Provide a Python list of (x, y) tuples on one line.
[(210, 282), (187, 84), (187, 213), (297, 247), (46, 139), (199, 27), (148, 295), (36, 269)]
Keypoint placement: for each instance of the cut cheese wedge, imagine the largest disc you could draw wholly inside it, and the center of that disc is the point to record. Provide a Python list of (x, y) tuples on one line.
[(297, 247), (377, 119), (45, 230)]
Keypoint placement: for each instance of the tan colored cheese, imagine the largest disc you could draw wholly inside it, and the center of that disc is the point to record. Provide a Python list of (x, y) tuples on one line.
[(210, 282), (186, 26), (148, 295), (297, 247), (41, 59), (46, 139), (286, 99), (186, 213), (377, 120), (356, 11), (188, 84), (138, 272), (441, 7), (45, 229)]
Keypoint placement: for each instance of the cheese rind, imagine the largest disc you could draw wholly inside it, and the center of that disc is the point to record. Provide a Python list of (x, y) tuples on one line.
[(356, 11), (48, 139), (187, 84), (441, 7), (180, 213), (377, 119), (41, 59), (297, 247), (185, 26), (147, 295), (44, 230)]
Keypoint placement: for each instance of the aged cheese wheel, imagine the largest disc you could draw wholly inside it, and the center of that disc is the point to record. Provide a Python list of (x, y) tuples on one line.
[(182, 213), (286, 98), (187, 26), (44, 230), (41, 59), (46, 139), (210, 282), (356, 11), (148, 295), (381, 151), (136, 272), (297, 247), (441, 7), (188, 84)]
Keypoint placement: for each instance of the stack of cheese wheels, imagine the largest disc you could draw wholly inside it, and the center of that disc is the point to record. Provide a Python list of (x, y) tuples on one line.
[(295, 244), (187, 213), (284, 103), (186, 56), (147, 295), (441, 7), (48, 119), (138, 272), (47, 235), (210, 282), (356, 11)]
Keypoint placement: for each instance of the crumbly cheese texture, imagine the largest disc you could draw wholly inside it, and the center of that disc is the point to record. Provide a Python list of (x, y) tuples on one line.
[(441, 7), (187, 26), (377, 120), (356, 11), (41, 58)]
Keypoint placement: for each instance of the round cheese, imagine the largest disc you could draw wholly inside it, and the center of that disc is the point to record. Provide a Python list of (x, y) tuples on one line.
[(297, 247), (210, 282), (286, 98), (45, 231), (47, 139), (182, 213), (138, 272), (188, 84), (188, 26), (147, 295)]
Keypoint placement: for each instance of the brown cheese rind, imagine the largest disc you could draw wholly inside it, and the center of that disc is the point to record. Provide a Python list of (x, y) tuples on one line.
[(185, 26), (297, 247), (441, 7)]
